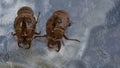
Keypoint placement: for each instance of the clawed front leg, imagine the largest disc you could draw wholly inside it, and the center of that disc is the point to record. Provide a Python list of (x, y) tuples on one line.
[(63, 42), (19, 45), (29, 45), (59, 46), (48, 44), (37, 33), (70, 39), (13, 33)]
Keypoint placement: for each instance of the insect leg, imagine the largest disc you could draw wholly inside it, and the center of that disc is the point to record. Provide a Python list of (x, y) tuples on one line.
[(48, 44), (29, 45), (37, 33), (63, 42), (13, 33), (40, 36), (59, 46), (70, 39), (38, 17), (19, 45)]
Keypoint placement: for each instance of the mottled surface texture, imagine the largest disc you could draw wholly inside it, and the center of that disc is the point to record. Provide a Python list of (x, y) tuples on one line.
[(94, 22)]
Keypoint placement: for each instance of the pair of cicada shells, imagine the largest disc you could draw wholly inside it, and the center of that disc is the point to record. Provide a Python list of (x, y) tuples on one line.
[(25, 25)]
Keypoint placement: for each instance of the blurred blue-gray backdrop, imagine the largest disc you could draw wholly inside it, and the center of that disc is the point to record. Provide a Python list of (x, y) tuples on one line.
[(94, 22)]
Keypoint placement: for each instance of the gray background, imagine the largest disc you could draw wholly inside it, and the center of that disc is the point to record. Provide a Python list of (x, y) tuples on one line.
[(94, 22)]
